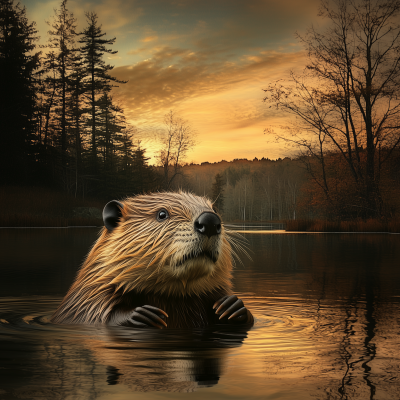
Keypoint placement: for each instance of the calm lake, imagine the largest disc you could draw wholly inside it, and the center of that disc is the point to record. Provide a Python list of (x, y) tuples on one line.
[(327, 310)]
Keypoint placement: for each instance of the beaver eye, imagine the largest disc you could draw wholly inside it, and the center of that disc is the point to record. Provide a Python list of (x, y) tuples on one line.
[(162, 215)]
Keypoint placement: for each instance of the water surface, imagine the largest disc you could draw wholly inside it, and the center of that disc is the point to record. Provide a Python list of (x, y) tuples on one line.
[(327, 310)]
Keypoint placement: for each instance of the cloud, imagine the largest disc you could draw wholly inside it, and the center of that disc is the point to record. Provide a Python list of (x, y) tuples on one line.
[(174, 75), (112, 16), (149, 38)]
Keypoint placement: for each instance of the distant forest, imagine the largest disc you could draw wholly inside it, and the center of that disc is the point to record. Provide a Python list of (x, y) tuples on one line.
[(257, 190), (62, 132)]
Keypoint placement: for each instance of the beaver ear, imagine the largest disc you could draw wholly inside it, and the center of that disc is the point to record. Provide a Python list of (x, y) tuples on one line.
[(112, 214)]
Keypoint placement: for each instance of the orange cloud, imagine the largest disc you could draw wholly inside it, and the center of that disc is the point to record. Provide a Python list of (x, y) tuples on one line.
[(174, 75), (149, 38)]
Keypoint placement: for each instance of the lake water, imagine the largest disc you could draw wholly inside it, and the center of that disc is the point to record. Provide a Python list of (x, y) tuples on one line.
[(327, 310)]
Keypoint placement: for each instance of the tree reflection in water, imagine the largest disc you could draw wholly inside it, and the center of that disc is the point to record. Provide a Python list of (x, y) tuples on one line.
[(342, 292)]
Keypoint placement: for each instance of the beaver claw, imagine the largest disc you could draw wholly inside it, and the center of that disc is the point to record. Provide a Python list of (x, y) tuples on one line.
[(232, 306), (148, 316)]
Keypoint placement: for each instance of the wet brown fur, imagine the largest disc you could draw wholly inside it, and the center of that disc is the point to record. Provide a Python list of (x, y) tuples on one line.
[(136, 262)]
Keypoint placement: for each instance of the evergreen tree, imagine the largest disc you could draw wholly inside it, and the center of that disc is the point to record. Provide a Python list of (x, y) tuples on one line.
[(218, 192), (98, 80), (62, 43), (110, 124), (47, 89), (145, 179), (18, 64), (76, 111), (126, 172)]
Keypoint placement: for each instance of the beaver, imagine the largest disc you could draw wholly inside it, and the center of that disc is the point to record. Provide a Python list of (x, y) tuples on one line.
[(161, 260)]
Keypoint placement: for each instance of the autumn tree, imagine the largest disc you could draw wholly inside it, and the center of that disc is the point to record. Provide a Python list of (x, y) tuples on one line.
[(176, 141), (347, 102), (18, 65)]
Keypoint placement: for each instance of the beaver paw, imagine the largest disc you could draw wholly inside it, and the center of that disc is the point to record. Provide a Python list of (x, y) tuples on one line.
[(148, 316), (232, 307)]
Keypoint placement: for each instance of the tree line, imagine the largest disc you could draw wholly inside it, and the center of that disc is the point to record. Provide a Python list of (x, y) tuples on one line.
[(60, 125)]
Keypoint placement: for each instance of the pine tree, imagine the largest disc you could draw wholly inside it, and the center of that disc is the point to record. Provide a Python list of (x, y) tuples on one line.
[(218, 192), (48, 90), (62, 43), (144, 176), (110, 125), (18, 65), (76, 111), (126, 171), (98, 80)]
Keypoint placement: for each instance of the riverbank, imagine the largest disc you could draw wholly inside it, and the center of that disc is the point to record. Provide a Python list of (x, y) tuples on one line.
[(43, 207), (370, 225), (34, 207)]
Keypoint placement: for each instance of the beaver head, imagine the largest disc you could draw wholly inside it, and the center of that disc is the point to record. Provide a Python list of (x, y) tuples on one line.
[(167, 244), (163, 242)]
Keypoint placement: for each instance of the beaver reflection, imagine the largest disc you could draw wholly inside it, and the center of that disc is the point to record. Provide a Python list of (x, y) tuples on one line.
[(176, 372), (169, 361)]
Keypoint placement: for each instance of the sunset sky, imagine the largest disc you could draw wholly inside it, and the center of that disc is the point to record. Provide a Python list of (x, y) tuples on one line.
[(207, 60)]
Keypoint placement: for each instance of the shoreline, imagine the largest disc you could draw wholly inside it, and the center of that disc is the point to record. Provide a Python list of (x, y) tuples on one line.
[(306, 232), (273, 232), (50, 227)]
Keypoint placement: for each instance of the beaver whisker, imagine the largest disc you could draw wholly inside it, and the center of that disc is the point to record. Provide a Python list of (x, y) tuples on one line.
[(238, 242)]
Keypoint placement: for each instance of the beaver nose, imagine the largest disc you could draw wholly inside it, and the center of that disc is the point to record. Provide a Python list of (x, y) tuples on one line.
[(208, 224)]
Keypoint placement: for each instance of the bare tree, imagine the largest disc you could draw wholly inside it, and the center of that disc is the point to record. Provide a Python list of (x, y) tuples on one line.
[(348, 100), (177, 140)]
